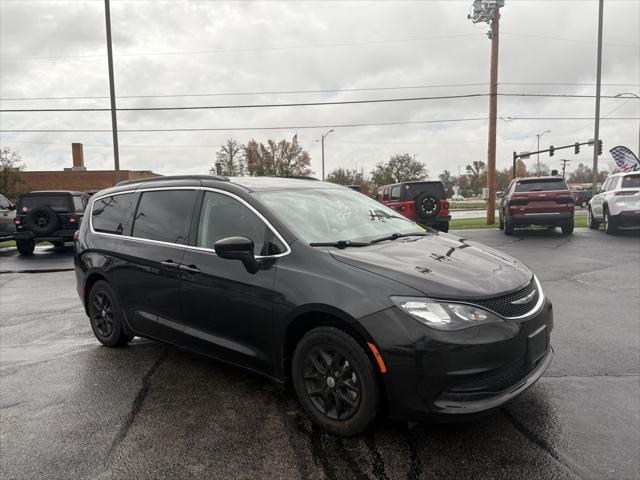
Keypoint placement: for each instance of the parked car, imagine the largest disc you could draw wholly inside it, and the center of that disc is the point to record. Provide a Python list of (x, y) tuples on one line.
[(582, 197), (423, 202), (7, 214), (317, 286), (544, 201), (51, 216), (617, 204)]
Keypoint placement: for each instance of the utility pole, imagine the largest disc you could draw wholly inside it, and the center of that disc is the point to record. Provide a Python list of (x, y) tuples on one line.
[(112, 90), (323, 137), (596, 133), (488, 11), (564, 165)]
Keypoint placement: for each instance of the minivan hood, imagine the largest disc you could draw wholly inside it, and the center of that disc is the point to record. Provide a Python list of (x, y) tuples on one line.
[(441, 266)]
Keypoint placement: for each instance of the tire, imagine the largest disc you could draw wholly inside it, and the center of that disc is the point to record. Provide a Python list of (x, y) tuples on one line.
[(58, 245), (324, 395), (105, 316), (25, 247), (567, 228), (593, 223), (42, 221), (508, 227), (609, 224), (501, 224), (427, 205), (443, 227)]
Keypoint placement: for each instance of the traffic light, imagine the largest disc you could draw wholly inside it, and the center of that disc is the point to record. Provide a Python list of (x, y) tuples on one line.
[(576, 148), (551, 150), (599, 147)]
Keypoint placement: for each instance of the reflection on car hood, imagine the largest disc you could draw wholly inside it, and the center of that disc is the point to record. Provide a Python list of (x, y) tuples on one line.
[(441, 266)]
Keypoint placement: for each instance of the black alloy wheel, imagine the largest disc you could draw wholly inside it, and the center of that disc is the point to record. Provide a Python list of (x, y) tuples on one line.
[(331, 383), (335, 381), (106, 316)]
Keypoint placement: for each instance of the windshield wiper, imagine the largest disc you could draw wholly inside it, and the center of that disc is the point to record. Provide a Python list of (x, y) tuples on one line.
[(395, 236), (339, 244)]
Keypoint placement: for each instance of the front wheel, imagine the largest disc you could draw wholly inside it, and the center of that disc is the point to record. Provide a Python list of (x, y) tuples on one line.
[(106, 316), (508, 227), (25, 247), (567, 228), (335, 381)]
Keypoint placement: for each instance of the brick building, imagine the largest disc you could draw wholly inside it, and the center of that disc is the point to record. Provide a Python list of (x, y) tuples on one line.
[(78, 177)]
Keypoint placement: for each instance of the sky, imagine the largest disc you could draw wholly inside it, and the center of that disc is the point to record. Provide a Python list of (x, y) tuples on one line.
[(213, 53)]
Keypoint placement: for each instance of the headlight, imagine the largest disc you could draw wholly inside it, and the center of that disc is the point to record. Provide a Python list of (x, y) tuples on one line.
[(445, 316)]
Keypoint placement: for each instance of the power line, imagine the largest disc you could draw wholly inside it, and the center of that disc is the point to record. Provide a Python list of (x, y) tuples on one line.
[(298, 127), (334, 90), (296, 104), (573, 40)]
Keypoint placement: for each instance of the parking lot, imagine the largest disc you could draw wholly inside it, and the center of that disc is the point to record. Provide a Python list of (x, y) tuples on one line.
[(73, 409)]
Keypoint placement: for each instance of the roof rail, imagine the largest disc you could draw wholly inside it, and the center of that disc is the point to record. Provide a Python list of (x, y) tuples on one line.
[(296, 177), (174, 177)]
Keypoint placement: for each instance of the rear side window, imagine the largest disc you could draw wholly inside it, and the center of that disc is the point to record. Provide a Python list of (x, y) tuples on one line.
[(395, 193), (164, 215), (631, 181), (223, 216), (4, 203), (541, 185), (60, 203), (78, 204), (113, 214)]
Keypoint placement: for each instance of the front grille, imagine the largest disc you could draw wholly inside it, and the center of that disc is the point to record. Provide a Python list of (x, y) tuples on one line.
[(503, 305)]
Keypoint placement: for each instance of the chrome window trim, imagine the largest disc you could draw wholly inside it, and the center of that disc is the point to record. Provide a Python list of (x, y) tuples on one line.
[(187, 247)]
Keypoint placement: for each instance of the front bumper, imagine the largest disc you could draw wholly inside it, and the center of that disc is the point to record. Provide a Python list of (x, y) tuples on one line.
[(435, 375)]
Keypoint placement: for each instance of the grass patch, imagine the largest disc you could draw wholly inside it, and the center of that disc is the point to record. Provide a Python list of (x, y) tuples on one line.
[(467, 205)]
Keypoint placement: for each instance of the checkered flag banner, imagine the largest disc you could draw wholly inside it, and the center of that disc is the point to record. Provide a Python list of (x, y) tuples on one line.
[(625, 159)]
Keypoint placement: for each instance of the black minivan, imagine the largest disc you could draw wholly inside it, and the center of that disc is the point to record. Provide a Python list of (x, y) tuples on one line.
[(316, 286)]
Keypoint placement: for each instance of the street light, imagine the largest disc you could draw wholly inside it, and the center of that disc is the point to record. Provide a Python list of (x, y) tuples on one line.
[(633, 95), (539, 135), (323, 137)]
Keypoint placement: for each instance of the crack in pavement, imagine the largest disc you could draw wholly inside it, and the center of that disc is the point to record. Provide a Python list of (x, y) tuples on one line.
[(415, 464), (137, 403), (378, 468), (528, 434)]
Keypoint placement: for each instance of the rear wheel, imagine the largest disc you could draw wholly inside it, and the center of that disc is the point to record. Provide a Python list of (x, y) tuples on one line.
[(508, 227), (106, 316), (609, 224), (335, 381), (501, 225), (443, 226), (25, 247), (593, 223), (567, 228)]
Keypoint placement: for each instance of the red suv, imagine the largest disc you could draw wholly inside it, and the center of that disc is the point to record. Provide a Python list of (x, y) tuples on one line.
[(544, 201), (423, 202)]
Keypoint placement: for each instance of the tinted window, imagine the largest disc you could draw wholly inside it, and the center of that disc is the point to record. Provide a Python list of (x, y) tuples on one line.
[(223, 216), (631, 181), (395, 193), (164, 215), (540, 185), (412, 190), (113, 214), (55, 202)]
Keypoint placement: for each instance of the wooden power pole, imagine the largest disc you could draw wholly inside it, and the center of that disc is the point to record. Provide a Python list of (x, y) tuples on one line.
[(112, 91)]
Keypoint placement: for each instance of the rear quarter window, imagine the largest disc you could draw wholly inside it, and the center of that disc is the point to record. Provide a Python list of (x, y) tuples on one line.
[(540, 185), (631, 181), (164, 215), (395, 193), (59, 203), (113, 214)]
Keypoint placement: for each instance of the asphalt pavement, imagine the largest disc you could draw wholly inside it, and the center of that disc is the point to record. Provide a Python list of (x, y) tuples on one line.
[(70, 408)]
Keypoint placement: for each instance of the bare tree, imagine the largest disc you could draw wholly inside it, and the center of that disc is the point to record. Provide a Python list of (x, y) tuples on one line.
[(230, 158), (278, 159), (10, 177)]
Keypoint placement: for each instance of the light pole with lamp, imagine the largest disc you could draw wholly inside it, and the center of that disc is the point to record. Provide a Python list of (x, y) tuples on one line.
[(638, 97), (540, 135), (323, 137)]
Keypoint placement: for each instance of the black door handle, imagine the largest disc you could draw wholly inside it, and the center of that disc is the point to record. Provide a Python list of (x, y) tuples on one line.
[(190, 268), (170, 264)]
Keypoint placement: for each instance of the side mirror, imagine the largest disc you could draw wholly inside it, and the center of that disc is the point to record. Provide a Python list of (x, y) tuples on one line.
[(500, 194), (238, 248)]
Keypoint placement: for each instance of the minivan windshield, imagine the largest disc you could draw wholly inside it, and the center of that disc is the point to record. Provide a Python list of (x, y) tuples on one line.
[(335, 214)]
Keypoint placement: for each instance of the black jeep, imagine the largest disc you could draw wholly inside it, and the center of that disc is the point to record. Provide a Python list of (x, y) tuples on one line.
[(47, 216)]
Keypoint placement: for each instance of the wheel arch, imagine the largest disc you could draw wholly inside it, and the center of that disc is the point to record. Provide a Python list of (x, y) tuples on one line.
[(325, 316)]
